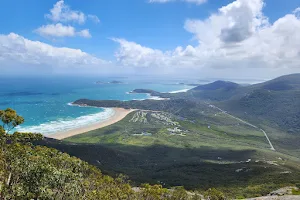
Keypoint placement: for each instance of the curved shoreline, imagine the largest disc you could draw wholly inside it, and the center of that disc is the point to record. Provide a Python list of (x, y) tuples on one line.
[(119, 114)]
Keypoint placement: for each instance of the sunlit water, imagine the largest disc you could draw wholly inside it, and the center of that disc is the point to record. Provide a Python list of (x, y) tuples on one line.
[(45, 102)]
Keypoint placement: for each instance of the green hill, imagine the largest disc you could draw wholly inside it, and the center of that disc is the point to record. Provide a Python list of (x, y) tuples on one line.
[(197, 145), (199, 140), (216, 91), (33, 171), (226, 85), (275, 102), (211, 150), (287, 82)]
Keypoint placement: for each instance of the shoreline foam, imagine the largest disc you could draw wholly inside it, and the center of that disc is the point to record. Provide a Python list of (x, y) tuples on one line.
[(180, 91), (119, 114), (110, 119), (69, 123)]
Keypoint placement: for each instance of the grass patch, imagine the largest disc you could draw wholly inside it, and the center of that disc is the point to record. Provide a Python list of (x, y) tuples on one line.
[(212, 154), (295, 191)]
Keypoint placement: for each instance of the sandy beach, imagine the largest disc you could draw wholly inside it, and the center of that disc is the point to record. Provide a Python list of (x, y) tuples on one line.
[(119, 114)]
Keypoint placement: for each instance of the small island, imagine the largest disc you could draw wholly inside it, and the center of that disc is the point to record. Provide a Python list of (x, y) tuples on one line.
[(146, 91)]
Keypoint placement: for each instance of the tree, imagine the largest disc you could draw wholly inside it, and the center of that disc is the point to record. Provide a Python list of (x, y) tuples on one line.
[(155, 192), (179, 193), (11, 151), (10, 119), (214, 194), (36, 172)]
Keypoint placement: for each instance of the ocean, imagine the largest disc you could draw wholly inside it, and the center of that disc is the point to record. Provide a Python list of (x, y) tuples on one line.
[(45, 102)]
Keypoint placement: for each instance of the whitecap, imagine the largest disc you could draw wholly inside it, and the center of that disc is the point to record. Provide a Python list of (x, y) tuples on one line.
[(67, 124), (157, 98), (179, 91)]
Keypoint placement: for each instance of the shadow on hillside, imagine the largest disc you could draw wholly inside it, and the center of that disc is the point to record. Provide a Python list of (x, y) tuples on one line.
[(174, 166)]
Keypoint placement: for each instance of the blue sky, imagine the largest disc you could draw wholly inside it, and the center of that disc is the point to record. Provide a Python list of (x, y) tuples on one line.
[(154, 26)]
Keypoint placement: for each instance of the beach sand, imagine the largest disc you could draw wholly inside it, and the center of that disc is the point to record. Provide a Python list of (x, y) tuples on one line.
[(119, 114)]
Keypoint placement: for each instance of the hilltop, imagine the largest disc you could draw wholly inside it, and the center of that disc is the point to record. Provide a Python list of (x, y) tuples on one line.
[(29, 170), (226, 85), (275, 101), (287, 82), (214, 135)]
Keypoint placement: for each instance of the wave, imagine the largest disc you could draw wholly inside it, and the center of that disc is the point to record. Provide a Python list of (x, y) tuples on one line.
[(157, 98), (179, 91), (68, 124), (151, 98)]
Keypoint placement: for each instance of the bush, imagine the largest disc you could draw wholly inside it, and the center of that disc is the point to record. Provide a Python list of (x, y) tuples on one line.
[(296, 192), (214, 194)]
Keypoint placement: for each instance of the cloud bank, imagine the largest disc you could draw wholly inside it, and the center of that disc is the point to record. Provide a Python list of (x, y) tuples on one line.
[(238, 39), (237, 36), (16, 50)]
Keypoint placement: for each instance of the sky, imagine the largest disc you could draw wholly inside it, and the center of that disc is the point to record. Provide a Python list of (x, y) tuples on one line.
[(188, 38)]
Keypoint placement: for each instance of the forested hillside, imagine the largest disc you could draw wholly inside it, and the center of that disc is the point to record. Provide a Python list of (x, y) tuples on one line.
[(275, 102), (210, 143), (184, 140), (37, 172)]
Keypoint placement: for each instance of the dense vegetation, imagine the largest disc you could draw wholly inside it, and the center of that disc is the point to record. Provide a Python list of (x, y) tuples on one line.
[(273, 105), (198, 159), (146, 91), (215, 144), (28, 171), (187, 143), (180, 107), (218, 85), (275, 102)]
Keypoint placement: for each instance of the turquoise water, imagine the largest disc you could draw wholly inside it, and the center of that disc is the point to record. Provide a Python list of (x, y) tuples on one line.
[(44, 102)]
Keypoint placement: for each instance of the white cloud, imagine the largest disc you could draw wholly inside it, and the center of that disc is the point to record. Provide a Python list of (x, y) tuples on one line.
[(238, 36), (62, 13), (232, 23), (94, 18), (296, 10), (59, 30), (198, 2), (16, 50), (132, 54), (84, 33), (56, 30)]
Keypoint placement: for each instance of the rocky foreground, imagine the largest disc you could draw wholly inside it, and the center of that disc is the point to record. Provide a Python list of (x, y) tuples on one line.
[(281, 194)]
